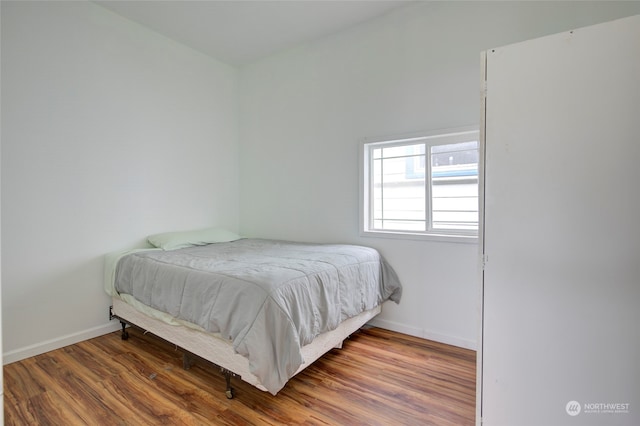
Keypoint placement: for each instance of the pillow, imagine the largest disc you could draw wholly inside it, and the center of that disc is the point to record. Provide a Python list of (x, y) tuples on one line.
[(199, 237)]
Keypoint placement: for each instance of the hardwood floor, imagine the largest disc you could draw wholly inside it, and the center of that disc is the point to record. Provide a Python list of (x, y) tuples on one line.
[(378, 378)]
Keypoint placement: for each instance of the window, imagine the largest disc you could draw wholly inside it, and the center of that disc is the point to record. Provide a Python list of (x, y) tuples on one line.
[(424, 185)]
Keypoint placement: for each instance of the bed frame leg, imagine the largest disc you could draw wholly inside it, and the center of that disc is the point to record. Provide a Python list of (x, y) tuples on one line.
[(187, 361), (125, 333), (227, 377)]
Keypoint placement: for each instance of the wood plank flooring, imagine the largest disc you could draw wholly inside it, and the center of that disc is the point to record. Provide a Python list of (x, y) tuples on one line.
[(378, 378)]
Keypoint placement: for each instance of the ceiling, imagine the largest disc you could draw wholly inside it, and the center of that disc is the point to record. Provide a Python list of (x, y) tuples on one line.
[(240, 32)]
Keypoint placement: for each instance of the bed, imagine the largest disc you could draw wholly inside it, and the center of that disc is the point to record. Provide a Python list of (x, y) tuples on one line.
[(261, 310)]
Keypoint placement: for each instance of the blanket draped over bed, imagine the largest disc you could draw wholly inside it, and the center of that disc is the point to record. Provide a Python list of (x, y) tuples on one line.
[(267, 297)]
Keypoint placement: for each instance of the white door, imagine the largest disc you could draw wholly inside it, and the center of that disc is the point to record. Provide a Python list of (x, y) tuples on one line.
[(561, 292)]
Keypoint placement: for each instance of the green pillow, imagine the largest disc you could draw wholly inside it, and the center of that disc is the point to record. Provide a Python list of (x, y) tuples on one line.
[(199, 237)]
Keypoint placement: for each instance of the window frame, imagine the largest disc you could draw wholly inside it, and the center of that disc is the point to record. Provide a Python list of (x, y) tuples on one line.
[(431, 138)]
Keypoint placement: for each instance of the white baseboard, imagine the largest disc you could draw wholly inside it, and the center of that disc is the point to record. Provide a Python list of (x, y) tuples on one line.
[(424, 334), (60, 342), (70, 339)]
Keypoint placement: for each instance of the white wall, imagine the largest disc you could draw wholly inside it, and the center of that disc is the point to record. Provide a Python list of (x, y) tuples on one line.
[(304, 112), (110, 132)]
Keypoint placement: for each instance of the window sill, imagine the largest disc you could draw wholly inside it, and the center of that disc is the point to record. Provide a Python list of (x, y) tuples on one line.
[(436, 237)]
